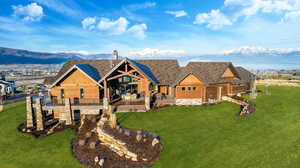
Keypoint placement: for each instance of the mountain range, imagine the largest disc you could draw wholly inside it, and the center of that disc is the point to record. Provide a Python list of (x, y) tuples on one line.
[(18, 56)]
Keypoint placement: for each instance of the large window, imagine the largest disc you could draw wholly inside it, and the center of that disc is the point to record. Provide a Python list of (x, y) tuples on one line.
[(81, 93)]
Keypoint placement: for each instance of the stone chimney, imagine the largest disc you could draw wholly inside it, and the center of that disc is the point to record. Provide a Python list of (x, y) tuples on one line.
[(115, 55)]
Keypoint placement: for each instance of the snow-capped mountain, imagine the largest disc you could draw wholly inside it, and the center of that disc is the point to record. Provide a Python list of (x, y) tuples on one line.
[(250, 50)]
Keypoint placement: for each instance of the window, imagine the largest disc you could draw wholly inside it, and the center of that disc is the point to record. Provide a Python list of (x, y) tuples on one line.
[(62, 93), (183, 88), (81, 93), (194, 88), (189, 88)]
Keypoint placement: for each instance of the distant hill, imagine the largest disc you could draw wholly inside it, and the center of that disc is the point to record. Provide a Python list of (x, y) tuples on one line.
[(18, 56)]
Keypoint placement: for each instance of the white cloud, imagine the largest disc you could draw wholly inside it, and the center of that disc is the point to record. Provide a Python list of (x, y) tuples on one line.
[(63, 7), (151, 53), (253, 7), (294, 15), (213, 20), (30, 12), (116, 27), (179, 13), (141, 6), (138, 31), (89, 23)]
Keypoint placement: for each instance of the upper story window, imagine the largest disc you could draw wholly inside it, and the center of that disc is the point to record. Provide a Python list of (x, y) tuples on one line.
[(62, 93), (81, 93)]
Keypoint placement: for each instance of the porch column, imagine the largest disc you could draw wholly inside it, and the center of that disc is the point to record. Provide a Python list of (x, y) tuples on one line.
[(68, 111), (39, 116), (147, 96), (29, 112), (204, 94), (106, 96), (219, 93)]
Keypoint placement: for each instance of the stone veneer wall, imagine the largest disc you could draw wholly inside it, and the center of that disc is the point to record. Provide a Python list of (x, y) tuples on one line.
[(188, 102)]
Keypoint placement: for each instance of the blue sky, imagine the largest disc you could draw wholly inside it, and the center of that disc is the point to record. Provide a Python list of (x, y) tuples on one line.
[(181, 27)]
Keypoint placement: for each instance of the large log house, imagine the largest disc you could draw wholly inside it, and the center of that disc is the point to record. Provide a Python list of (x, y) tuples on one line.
[(137, 85)]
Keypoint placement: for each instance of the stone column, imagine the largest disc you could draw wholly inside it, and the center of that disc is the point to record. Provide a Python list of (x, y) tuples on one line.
[(68, 111), (253, 89), (39, 116), (29, 112), (112, 117), (1, 103), (147, 96), (106, 96)]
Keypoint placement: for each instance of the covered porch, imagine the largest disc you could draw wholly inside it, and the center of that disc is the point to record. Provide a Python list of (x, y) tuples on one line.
[(128, 83)]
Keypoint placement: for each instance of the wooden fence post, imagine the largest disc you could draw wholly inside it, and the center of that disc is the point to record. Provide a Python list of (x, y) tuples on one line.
[(39, 115), (29, 112)]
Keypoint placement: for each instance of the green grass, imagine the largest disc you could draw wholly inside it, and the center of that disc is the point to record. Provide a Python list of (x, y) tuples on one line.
[(194, 137), (19, 150)]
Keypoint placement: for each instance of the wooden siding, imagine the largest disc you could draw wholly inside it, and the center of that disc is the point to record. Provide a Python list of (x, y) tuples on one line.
[(190, 87), (239, 88), (163, 89), (190, 80), (72, 85), (228, 74), (211, 92)]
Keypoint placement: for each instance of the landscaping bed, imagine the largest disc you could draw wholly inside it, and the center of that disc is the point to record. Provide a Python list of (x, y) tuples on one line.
[(90, 151)]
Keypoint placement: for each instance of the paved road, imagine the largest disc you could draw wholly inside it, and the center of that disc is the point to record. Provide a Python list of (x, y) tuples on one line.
[(15, 99)]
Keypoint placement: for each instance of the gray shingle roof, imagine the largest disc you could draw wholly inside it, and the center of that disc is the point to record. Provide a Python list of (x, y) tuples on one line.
[(245, 75), (163, 72), (207, 72)]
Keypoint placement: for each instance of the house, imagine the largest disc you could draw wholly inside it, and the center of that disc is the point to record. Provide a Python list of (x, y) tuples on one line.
[(90, 86), (7, 88)]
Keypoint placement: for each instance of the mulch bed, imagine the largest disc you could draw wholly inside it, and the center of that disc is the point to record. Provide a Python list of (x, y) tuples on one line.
[(61, 127), (87, 153)]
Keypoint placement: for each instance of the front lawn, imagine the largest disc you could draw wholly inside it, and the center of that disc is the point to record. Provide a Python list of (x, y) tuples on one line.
[(194, 137)]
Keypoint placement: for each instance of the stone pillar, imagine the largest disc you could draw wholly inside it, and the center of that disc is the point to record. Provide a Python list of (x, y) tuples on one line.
[(253, 89), (147, 103), (147, 96), (112, 117), (1, 103), (39, 115), (219, 93), (106, 96), (68, 111), (29, 112)]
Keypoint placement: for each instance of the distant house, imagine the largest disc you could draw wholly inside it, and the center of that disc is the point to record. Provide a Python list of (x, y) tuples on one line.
[(6, 87), (92, 85)]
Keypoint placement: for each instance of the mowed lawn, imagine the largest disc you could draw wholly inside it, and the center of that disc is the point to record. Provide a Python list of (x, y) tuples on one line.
[(194, 137)]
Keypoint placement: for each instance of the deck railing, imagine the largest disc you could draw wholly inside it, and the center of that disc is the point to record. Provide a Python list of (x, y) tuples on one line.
[(74, 101)]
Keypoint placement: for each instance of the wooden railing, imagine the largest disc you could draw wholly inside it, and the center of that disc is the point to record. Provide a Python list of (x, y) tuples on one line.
[(77, 101)]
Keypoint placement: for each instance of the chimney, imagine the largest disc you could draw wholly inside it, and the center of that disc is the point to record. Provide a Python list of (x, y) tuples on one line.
[(115, 55)]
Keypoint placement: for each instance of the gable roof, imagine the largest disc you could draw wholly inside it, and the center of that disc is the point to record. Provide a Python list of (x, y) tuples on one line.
[(207, 72), (163, 70), (142, 68), (246, 76), (87, 70)]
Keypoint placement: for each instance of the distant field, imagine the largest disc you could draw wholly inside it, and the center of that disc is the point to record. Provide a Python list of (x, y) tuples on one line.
[(279, 82), (194, 137)]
